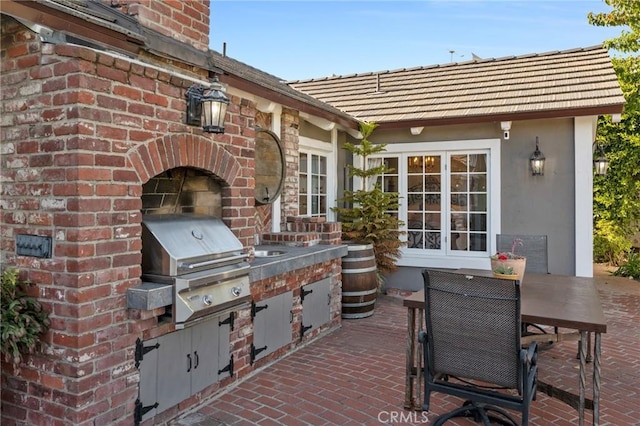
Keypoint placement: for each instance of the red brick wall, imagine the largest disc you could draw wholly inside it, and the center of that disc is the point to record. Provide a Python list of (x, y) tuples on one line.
[(82, 131), (185, 21)]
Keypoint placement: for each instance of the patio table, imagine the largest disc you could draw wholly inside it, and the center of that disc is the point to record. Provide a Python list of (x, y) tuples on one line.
[(562, 301)]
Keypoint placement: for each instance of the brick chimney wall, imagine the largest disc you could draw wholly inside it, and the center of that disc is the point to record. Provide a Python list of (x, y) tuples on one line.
[(82, 131), (185, 21)]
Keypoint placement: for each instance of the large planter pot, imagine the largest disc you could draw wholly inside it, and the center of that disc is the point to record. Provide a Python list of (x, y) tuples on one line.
[(359, 281), (518, 266)]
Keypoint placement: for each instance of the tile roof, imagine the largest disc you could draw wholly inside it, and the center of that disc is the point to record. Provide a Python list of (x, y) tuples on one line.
[(554, 84)]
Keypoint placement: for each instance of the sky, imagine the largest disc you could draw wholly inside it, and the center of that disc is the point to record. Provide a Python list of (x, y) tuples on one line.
[(297, 40)]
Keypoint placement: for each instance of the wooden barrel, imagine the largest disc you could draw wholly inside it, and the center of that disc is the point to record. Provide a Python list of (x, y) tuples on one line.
[(359, 282)]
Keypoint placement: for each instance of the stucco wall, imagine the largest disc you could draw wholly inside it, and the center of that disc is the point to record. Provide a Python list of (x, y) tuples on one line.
[(540, 205)]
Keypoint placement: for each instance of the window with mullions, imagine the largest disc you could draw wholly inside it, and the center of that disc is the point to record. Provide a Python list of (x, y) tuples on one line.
[(312, 186), (388, 181)]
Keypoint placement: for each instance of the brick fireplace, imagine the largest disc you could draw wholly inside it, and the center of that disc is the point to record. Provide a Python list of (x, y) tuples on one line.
[(90, 141)]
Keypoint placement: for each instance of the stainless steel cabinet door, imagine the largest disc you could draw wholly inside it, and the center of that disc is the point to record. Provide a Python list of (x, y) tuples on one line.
[(272, 326), (316, 305), (204, 354), (174, 369)]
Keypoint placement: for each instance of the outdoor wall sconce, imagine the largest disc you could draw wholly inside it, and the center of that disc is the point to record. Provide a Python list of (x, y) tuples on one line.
[(207, 107), (505, 126), (537, 161), (600, 164)]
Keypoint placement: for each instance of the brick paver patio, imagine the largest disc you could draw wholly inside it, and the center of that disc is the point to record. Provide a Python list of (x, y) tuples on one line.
[(355, 375)]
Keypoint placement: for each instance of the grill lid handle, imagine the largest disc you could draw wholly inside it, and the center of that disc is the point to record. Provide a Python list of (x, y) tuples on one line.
[(211, 262)]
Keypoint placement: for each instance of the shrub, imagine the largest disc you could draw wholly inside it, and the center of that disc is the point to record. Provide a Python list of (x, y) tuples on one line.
[(369, 216), (23, 319), (610, 243), (631, 268)]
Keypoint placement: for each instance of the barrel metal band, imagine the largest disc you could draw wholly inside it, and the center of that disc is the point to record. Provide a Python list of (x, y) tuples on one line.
[(358, 305), (358, 259), (359, 293), (358, 271)]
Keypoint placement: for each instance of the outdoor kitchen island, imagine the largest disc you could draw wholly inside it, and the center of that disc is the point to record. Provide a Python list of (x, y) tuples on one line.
[(295, 297)]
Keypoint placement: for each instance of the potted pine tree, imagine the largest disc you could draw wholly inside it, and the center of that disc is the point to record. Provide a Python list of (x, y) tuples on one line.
[(370, 227)]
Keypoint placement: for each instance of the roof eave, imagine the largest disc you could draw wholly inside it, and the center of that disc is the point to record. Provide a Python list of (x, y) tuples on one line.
[(288, 101), (58, 20)]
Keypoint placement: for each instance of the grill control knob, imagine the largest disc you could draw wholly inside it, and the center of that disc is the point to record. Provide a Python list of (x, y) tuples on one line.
[(236, 291), (207, 299)]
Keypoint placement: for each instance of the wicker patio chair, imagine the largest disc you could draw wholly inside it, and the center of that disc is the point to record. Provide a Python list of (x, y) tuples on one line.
[(472, 347), (534, 248)]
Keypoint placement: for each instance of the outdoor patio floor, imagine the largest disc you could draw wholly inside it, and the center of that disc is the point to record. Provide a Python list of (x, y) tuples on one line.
[(355, 375)]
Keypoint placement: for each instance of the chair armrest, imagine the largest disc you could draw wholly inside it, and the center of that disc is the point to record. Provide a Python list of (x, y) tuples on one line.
[(529, 360), (531, 355)]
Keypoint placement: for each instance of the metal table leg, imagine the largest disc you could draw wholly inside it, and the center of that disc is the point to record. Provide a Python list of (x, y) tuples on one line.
[(419, 365), (411, 350), (596, 379), (582, 354)]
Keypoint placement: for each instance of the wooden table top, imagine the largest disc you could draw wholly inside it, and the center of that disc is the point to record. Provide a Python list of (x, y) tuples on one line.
[(549, 299)]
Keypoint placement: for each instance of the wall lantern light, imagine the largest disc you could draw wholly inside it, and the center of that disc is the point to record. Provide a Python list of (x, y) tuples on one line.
[(207, 107), (600, 164), (537, 161)]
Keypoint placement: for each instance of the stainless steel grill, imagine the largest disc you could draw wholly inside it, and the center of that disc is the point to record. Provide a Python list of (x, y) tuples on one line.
[(201, 258)]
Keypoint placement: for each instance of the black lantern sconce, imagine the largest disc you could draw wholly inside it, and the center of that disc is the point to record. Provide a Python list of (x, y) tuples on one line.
[(207, 107), (537, 161), (600, 164)]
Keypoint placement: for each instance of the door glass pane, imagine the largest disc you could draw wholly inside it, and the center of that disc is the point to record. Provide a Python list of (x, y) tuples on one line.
[(478, 202), (415, 183), (478, 182), (477, 163), (459, 183), (415, 164), (458, 163), (478, 222), (423, 201), (468, 202), (432, 240)]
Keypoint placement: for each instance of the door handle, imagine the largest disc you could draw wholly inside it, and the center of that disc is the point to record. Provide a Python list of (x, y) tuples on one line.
[(189, 359), (195, 354)]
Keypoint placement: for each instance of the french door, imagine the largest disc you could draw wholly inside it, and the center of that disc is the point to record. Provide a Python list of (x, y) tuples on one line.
[(444, 200)]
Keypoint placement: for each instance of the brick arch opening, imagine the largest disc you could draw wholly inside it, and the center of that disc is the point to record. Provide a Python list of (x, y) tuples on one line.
[(165, 155), (185, 150)]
